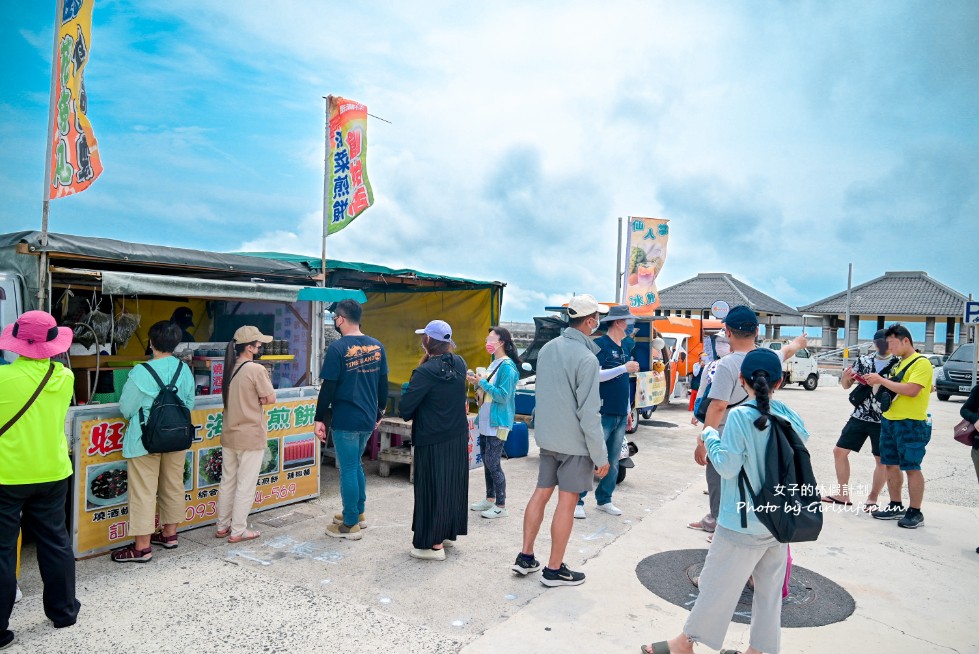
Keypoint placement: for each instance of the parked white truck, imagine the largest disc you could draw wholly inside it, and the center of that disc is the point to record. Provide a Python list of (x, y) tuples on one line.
[(801, 369)]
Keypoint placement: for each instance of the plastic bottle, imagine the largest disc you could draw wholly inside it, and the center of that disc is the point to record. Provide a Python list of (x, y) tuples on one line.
[(928, 420)]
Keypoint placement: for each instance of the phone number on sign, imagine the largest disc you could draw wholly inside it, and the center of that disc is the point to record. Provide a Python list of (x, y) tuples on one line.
[(276, 492), (202, 510)]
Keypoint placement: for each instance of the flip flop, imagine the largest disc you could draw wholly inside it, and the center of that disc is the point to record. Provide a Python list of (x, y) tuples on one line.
[(248, 535), (699, 526), (222, 533), (833, 500), (869, 508), (658, 648)]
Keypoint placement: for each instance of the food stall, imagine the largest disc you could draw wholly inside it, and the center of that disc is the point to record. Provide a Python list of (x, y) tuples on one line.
[(111, 292)]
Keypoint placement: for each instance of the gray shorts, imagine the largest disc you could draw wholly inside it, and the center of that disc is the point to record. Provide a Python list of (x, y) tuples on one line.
[(571, 473)]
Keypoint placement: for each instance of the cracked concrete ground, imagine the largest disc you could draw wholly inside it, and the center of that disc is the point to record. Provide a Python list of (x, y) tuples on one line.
[(295, 590)]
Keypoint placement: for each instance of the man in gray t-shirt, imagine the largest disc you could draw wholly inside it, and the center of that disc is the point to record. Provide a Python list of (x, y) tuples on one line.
[(741, 328)]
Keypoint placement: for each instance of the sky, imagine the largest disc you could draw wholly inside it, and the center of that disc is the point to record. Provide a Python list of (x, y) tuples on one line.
[(783, 140)]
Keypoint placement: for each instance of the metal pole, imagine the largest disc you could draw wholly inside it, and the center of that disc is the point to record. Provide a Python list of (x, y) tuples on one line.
[(326, 180), (618, 266), (846, 325), (42, 286), (975, 349)]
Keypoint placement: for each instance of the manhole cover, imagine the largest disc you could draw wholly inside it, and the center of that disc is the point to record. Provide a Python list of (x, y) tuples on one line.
[(284, 519), (813, 600)]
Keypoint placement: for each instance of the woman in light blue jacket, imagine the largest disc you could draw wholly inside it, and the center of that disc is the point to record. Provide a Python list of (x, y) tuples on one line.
[(155, 481), (499, 385), (737, 553)]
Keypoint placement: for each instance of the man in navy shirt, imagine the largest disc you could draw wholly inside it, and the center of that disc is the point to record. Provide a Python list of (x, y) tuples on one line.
[(353, 395), (614, 388)]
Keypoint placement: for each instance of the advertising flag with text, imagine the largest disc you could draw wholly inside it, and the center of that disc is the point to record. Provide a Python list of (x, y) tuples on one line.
[(647, 247), (347, 188), (75, 161)]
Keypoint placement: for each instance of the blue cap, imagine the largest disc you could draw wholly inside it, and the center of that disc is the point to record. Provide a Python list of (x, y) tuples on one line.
[(764, 360), (438, 330), (742, 319)]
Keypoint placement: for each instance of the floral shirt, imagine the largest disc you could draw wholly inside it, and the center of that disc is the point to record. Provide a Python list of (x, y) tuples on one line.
[(869, 410)]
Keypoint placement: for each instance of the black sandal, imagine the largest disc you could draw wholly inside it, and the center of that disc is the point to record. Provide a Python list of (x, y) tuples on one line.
[(130, 554)]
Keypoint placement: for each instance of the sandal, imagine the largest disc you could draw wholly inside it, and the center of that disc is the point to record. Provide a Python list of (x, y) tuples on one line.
[(166, 542), (130, 554), (222, 533), (870, 507), (246, 535), (832, 500), (657, 648)]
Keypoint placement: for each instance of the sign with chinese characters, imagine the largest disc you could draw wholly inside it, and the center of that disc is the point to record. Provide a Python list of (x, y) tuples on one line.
[(650, 389), (647, 247), (75, 161), (289, 473), (348, 191)]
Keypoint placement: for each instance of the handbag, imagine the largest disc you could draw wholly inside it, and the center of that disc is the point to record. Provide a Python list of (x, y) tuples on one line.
[(23, 410), (861, 392), (965, 432)]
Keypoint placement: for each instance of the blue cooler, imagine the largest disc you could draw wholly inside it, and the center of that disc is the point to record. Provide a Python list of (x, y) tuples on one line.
[(524, 402), (518, 442)]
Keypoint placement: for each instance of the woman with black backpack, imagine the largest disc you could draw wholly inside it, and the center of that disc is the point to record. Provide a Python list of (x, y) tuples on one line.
[(155, 480), (743, 546)]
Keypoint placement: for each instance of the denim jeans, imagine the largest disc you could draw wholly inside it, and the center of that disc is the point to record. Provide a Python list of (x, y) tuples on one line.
[(353, 485), (614, 428)]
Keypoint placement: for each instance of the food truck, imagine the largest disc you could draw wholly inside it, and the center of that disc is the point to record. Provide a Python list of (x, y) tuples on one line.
[(110, 292)]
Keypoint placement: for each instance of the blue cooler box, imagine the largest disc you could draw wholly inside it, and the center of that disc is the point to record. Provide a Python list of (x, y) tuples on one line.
[(518, 442), (524, 402)]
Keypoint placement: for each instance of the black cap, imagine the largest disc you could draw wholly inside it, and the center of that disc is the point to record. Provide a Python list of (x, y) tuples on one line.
[(182, 317)]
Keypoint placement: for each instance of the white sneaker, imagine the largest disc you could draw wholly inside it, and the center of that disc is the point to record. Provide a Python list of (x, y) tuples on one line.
[(481, 505), (579, 511), (448, 542), (19, 595), (430, 555), (610, 509), (495, 512)]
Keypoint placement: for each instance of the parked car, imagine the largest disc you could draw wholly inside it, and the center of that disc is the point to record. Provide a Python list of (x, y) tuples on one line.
[(956, 373), (937, 361)]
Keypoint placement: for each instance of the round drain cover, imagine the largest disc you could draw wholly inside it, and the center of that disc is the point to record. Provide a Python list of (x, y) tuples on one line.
[(813, 600)]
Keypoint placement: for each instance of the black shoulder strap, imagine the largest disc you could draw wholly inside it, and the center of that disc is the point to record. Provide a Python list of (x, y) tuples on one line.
[(238, 369), (23, 410), (176, 373), (154, 375), (904, 370)]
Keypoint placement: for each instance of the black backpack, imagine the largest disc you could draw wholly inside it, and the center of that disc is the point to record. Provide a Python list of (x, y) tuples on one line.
[(703, 401), (169, 427), (788, 502)]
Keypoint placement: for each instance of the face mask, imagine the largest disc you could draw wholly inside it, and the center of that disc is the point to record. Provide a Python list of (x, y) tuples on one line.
[(723, 349), (595, 328), (492, 347)]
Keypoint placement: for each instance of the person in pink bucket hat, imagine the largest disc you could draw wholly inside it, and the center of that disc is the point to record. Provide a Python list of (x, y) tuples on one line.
[(34, 466)]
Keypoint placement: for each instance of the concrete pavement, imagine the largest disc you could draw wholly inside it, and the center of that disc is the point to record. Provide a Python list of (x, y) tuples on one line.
[(295, 590)]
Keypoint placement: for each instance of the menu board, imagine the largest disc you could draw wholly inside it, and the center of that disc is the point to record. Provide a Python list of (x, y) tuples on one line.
[(289, 470)]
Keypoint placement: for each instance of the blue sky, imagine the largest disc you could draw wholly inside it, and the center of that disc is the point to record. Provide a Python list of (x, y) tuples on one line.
[(783, 140)]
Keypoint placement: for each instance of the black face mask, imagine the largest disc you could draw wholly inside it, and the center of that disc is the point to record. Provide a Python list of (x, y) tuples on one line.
[(261, 351)]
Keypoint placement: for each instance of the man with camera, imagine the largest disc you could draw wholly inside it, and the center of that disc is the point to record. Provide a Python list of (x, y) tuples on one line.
[(904, 430), (864, 422)]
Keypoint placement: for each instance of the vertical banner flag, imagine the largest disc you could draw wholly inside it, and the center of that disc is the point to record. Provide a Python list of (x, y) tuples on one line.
[(647, 245), (347, 184), (75, 162)]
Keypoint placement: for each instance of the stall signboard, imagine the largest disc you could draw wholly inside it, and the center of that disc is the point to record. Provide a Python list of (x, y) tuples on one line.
[(647, 247), (289, 473), (650, 389), (475, 452)]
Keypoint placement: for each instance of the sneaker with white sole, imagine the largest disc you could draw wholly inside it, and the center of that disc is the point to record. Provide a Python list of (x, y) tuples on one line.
[(361, 520), (562, 577), (427, 555), (343, 531), (579, 511), (912, 519), (610, 509), (495, 512), (524, 566), (481, 505), (18, 596)]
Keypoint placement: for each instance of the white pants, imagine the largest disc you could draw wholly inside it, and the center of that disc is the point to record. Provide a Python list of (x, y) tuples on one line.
[(239, 474), (732, 558)]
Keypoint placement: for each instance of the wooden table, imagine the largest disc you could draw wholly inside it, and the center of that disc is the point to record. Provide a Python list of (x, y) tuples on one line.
[(389, 454)]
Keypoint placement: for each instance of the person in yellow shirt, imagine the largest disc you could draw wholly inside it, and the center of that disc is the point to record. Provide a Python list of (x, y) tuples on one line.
[(34, 464), (904, 430)]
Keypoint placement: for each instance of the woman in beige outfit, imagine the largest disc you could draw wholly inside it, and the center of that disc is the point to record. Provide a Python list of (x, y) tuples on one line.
[(244, 437)]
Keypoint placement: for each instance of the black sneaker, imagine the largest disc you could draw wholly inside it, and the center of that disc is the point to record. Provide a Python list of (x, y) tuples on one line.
[(912, 520), (7, 639), (890, 512), (524, 566), (562, 577)]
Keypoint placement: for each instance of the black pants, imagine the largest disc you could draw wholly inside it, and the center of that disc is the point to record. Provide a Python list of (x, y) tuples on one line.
[(42, 509)]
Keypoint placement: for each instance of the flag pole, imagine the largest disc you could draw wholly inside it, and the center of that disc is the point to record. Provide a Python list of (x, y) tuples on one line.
[(42, 285)]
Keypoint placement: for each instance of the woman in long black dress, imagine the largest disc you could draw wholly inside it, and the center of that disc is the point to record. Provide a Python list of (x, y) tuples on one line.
[(435, 401)]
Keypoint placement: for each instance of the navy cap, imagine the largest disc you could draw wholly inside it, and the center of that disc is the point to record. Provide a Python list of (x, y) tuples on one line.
[(742, 319), (762, 359)]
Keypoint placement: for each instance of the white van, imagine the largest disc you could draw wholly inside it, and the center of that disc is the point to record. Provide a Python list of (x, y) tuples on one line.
[(801, 369)]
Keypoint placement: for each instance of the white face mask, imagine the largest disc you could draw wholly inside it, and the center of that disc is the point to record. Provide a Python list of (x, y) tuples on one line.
[(595, 328), (723, 349)]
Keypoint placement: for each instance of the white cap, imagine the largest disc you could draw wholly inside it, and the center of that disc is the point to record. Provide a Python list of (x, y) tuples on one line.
[(585, 305)]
